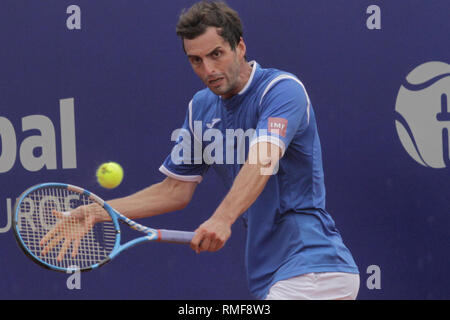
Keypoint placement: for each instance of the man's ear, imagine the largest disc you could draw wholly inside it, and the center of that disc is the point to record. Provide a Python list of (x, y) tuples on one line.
[(241, 48)]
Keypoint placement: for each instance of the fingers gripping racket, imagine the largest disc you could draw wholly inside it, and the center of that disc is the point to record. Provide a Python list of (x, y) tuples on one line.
[(55, 225)]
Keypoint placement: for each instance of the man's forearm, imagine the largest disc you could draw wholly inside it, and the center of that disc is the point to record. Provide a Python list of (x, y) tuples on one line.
[(246, 188), (250, 182), (163, 197), (248, 185)]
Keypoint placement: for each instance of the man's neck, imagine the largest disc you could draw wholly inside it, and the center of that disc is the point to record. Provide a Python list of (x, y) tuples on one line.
[(244, 77)]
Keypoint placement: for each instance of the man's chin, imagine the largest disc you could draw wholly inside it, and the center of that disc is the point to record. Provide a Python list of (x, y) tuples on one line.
[(218, 90)]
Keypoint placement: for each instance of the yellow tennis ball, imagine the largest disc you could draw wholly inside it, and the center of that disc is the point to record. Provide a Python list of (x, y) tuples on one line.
[(109, 175)]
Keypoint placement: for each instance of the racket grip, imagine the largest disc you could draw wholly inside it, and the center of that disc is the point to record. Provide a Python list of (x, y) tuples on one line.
[(174, 236)]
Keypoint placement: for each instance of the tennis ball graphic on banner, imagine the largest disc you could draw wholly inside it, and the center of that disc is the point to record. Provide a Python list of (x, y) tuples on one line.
[(109, 175), (422, 116)]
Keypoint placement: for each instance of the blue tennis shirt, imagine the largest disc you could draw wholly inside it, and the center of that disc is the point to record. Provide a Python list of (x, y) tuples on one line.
[(289, 231)]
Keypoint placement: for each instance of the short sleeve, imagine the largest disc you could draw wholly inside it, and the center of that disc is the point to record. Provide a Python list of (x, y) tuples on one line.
[(185, 162), (284, 112)]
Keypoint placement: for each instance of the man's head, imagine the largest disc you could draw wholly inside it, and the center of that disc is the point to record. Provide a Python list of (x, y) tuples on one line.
[(211, 33), (204, 14)]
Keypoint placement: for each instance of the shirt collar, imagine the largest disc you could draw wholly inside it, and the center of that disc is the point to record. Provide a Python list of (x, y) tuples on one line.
[(253, 64), (234, 100)]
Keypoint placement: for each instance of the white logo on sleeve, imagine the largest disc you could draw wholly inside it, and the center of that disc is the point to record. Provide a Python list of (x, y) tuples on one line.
[(422, 117)]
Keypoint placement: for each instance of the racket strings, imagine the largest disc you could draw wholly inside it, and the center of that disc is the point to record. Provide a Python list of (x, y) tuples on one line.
[(36, 219)]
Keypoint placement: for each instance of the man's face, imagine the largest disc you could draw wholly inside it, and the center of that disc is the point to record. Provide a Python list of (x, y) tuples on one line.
[(215, 63)]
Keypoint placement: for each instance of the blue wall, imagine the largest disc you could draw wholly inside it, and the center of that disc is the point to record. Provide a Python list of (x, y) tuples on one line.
[(130, 84)]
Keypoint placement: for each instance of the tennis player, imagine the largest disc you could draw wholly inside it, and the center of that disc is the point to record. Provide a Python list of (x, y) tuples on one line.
[(293, 248)]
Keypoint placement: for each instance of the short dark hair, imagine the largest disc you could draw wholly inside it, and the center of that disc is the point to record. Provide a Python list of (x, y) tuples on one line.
[(194, 21)]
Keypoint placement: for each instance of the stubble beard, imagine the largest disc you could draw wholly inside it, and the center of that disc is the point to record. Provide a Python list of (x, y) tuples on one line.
[(230, 79)]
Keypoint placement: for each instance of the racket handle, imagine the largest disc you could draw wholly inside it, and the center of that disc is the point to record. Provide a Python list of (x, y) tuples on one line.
[(174, 236)]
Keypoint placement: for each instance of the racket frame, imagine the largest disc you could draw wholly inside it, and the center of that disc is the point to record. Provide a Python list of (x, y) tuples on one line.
[(150, 234)]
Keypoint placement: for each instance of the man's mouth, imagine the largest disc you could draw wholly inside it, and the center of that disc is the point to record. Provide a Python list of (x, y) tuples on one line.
[(215, 82)]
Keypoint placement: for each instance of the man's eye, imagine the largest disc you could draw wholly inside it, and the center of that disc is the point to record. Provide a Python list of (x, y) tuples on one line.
[(196, 60), (217, 54)]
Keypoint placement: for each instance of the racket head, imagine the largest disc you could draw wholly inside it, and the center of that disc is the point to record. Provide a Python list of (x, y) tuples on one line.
[(34, 217)]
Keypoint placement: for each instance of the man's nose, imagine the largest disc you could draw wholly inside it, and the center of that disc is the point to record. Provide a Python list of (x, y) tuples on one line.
[(209, 68)]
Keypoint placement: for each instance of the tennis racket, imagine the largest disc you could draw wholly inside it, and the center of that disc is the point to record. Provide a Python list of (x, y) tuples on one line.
[(54, 224)]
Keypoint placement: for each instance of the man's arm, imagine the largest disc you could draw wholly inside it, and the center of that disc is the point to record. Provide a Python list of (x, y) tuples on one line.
[(167, 196), (248, 185)]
